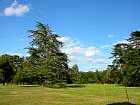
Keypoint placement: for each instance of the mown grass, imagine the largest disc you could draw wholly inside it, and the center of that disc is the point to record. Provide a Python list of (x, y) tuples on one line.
[(91, 94)]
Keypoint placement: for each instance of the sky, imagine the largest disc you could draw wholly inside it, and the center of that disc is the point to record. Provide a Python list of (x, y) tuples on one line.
[(88, 28)]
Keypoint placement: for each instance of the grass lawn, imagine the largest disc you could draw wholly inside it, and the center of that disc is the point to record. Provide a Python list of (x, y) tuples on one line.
[(91, 94)]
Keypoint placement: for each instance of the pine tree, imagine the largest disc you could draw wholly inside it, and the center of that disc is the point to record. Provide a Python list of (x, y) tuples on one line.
[(127, 59), (50, 63)]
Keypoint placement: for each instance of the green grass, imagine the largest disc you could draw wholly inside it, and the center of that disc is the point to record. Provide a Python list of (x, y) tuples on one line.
[(91, 94)]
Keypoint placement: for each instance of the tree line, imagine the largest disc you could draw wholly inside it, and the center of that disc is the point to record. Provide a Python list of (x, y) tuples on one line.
[(48, 66)]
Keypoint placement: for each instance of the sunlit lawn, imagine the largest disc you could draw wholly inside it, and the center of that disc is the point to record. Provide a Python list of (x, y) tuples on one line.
[(91, 94)]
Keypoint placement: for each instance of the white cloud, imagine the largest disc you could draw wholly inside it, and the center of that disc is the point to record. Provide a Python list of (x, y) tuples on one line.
[(74, 48), (15, 53), (23, 39), (105, 46), (16, 9), (10, 53), (85, 57), (101, 61), (77, 52), (69, 42), (110, 36), (122, 41), (90, 52)]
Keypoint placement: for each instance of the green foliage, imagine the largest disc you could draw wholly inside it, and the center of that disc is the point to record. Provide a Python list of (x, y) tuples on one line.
[(73, 74), (9, 65), (127, 60), (1, 75), (6, 68), (51, 84), (47, 64), (131, 69), (90, 77)]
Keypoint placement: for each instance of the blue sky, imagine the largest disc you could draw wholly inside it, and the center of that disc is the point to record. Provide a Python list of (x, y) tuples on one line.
[(89, 28)]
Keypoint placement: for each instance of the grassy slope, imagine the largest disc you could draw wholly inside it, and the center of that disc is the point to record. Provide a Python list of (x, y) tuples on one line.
[(92, 94)]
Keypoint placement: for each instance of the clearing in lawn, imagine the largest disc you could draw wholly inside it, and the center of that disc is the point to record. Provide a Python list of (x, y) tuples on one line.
[(91, 94)]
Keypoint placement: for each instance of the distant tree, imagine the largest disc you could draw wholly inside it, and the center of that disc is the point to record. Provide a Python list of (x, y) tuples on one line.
[(23, 72), (9, 65), (97, 77), (91, 77), (1, 75), (74, 73), (6, 68), (17, 62), (113, 75), (83, 77)]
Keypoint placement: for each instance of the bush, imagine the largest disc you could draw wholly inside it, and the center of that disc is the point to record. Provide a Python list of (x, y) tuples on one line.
[(75, 85), (50, 84)]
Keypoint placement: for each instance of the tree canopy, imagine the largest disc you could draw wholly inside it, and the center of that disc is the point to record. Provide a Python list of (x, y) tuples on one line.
[(46, 62), (127, 59)]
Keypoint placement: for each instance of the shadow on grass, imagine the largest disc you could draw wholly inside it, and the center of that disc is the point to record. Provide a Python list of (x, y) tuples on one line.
[(121, 103), (75, 86), (137, 85), (29, 85)]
